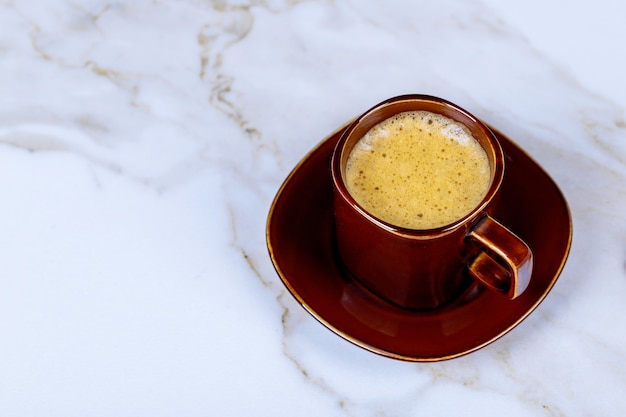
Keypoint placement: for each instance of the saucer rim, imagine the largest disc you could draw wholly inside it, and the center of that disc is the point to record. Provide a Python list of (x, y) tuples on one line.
[(386, 352)]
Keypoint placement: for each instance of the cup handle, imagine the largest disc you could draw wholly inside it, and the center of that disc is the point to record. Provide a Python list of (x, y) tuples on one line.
[(510, 272)]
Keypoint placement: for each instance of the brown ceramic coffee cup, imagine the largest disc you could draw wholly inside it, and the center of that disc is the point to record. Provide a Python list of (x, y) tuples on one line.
[(425, 267)]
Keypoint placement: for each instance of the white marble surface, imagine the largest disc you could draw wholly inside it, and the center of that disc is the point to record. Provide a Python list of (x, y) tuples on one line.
[(142, 142)]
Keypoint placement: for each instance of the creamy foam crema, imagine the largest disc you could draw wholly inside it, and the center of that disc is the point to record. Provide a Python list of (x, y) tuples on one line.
[(418, 170)]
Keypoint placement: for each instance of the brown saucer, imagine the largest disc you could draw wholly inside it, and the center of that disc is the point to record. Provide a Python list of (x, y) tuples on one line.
[(300, 243)]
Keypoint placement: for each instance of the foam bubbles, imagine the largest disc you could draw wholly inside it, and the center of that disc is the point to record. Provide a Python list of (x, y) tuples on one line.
[(457, 132), (418, 170)]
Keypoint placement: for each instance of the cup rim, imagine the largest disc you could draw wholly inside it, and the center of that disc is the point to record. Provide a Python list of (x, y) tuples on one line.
[(476, 213)]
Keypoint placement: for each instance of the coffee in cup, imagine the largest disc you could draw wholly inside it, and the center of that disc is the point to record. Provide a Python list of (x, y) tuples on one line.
[(418, 170), (418, 155)]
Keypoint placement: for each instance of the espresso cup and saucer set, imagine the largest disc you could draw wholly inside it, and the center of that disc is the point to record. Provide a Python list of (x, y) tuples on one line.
[(418, 232)]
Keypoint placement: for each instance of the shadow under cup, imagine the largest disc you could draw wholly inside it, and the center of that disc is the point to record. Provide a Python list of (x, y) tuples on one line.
[(425, 269)]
